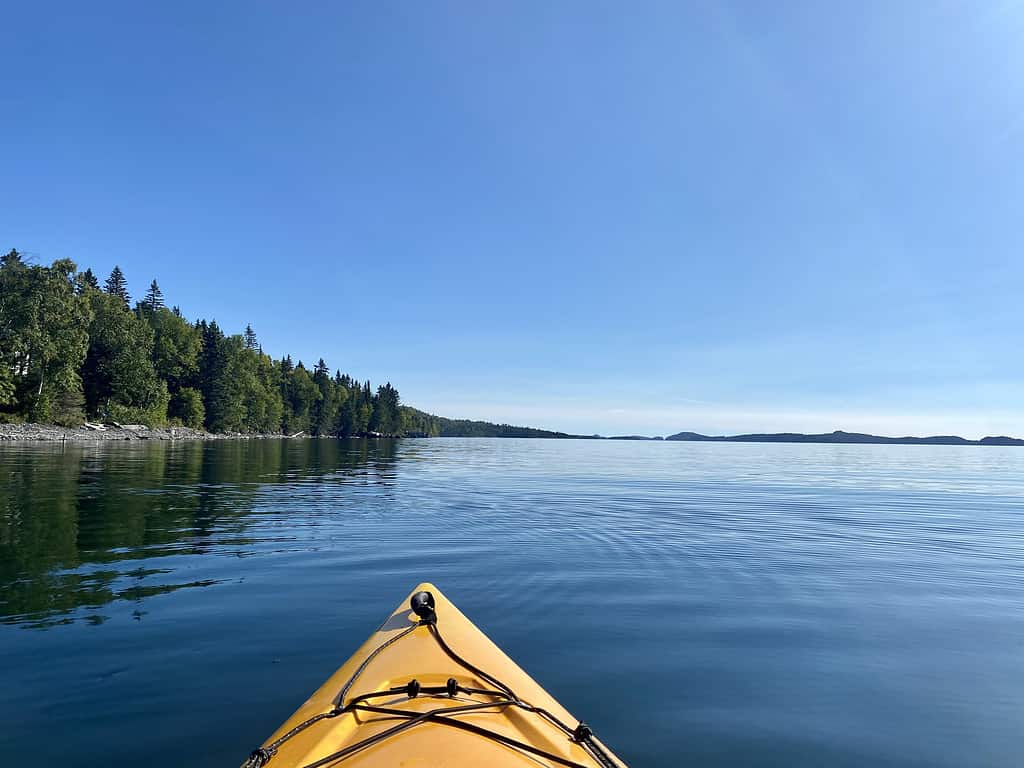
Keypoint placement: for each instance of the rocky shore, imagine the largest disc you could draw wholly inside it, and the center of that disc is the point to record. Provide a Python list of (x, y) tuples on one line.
[(49, 432)]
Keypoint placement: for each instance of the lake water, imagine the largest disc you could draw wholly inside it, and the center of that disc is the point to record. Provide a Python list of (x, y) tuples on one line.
[(707, 604)]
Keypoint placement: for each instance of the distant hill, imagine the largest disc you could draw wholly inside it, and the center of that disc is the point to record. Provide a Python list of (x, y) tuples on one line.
[(842, 437), (421, 424), (417, 423)]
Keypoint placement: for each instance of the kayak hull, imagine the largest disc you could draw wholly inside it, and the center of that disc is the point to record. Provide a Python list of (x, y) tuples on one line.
[(403, 650)]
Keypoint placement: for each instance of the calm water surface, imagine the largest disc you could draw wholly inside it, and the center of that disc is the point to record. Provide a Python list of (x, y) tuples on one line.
[(725, 604)]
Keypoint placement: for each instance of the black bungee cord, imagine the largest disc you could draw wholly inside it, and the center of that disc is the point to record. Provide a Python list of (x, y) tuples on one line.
[(423, 606)]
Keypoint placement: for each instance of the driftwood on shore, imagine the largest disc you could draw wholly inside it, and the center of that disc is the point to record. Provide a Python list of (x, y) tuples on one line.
[(129, 427)]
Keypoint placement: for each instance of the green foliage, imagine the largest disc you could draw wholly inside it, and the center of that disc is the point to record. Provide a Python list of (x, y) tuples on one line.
[(43, 335), (298, 394), (11, 259), (69, 408), (265, 405), (222, 407), (186, 407), (252, 384), (176, 348), (325, 407), (6, 385), (386, 417), (69, 351), (116, 285), (154, 299), (416, 423), (87, 281), (154, 414), (118, 375)]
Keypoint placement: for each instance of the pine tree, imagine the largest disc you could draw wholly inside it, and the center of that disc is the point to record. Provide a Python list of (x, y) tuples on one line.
[(386, 418), (213, 376), (250, 338), (11, 259), (154, 298), (89, 280), (324, 408), (116, 285)]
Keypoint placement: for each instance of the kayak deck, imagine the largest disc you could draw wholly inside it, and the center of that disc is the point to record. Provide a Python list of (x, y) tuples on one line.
[(430, 689)]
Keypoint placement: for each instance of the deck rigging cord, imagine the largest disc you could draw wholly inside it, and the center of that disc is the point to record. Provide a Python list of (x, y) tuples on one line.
[(502, 698)]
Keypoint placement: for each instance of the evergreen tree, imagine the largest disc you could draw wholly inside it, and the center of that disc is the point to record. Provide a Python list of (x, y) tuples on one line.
[(116, 285), (213, 377), (386, 417), (154, 298), (89, 281), (341, 410), (363, 411), (324, 408), (12, 259), (301, 393), (345, 421), (250, 338)]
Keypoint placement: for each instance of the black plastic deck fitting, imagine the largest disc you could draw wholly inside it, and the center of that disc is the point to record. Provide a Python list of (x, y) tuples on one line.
[(423, 606)]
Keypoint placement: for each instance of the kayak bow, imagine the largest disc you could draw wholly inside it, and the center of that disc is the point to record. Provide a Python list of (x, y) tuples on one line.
[(430, 689)]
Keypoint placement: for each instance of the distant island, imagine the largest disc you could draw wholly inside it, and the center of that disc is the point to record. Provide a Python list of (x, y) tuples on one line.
[(417, 423), (841, 437)]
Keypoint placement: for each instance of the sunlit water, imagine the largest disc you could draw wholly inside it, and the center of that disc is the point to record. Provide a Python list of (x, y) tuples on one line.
[(719, 605)]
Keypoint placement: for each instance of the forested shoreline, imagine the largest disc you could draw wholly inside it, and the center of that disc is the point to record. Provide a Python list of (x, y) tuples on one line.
[(73, 351)]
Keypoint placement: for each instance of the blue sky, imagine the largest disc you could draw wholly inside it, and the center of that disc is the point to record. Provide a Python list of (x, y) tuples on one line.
[(597, 217)]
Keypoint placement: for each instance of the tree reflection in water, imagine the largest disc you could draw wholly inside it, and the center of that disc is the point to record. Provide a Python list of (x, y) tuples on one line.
[(77, 521)]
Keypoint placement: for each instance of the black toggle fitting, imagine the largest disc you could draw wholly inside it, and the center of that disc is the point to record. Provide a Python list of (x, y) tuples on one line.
[(412, 690), (423, 606), (453, 687), (582, 732)]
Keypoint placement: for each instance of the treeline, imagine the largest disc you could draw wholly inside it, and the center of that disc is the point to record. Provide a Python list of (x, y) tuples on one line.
[(420, 424), (71, 350)]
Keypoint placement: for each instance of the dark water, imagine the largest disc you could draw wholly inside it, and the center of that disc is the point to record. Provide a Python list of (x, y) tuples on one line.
[(730, 604)]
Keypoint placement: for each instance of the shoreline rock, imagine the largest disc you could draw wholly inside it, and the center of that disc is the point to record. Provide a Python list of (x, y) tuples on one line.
[(51, 433)]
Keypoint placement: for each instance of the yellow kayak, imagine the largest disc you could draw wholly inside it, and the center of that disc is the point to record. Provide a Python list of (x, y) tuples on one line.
[(430, 689)]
